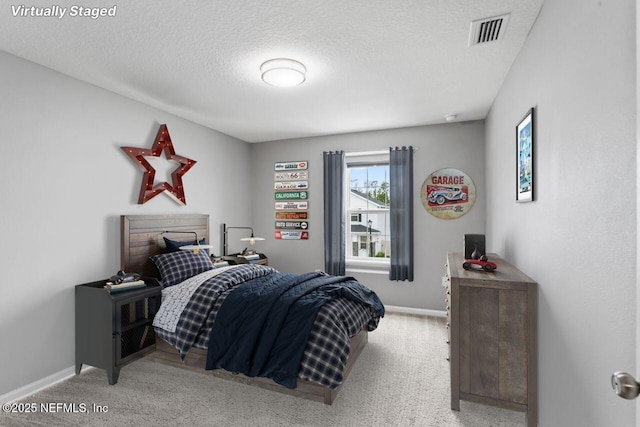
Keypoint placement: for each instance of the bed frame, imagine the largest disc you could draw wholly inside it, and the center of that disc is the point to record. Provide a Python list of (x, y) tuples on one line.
[(141, 237)]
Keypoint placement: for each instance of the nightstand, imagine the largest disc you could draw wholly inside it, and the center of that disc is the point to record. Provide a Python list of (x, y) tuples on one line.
[(237, 259), (114, 329)]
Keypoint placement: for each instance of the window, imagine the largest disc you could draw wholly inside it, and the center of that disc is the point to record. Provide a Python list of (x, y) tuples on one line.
[(367, 204), (363, 179)]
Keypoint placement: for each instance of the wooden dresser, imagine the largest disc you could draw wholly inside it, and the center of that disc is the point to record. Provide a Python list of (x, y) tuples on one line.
[(493, 322)]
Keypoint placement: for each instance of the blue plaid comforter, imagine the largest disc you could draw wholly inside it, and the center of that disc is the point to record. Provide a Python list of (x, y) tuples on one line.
[(326, 351)]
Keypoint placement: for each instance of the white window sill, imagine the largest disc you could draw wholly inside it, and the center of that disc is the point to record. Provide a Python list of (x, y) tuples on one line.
[(367, 266)]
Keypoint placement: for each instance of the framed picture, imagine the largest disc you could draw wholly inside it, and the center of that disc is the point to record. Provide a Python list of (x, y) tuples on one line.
[(525, 140)]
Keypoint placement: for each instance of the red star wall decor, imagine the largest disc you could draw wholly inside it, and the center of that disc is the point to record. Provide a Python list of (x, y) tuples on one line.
[(148, 190)]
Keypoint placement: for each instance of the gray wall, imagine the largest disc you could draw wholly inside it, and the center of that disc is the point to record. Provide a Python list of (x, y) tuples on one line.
[(457, 145), (65, 182), (578, 240)]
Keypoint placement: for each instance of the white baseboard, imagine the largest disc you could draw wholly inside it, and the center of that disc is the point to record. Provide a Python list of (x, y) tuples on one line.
[(418, 311), (38, 385)]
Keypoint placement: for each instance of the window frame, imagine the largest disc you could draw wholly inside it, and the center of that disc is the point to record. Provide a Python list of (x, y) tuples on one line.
[(379, 265)]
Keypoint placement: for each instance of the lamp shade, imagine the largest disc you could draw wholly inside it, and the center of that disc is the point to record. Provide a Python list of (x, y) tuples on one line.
[(283, 72), (252, 240)]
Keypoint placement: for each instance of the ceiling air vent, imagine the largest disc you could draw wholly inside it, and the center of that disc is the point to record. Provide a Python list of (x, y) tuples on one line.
[(488, 30)]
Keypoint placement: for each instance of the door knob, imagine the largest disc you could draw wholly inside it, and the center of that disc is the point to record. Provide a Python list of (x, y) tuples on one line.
[(625, 385)]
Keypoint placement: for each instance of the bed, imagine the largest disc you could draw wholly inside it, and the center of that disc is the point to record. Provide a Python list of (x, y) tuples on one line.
[(203, 307)]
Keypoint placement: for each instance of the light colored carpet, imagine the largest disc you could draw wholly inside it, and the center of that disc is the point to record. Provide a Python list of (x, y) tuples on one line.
[(401, 379)]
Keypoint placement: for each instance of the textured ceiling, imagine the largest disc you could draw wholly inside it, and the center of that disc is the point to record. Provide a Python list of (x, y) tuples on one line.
[(372, 64)]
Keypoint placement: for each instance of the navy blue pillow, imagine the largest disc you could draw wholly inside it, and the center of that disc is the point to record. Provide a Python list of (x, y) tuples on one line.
[(174, 246), (176, 267)]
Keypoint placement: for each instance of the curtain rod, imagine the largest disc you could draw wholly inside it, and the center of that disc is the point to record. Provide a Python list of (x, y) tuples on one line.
[(370, 153)]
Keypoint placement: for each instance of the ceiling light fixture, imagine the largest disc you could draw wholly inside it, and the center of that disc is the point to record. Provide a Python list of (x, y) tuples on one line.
[(450, 117), (283, 72)]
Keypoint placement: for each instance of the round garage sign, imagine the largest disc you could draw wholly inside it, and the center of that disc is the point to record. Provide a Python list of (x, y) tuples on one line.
[(448, 193)]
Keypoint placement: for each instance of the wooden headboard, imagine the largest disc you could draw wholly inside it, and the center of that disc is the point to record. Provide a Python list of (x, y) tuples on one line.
[(141, 237)]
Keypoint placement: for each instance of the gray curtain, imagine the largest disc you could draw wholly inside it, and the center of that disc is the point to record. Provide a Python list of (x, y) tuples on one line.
[(334, 214), (401, 221)]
